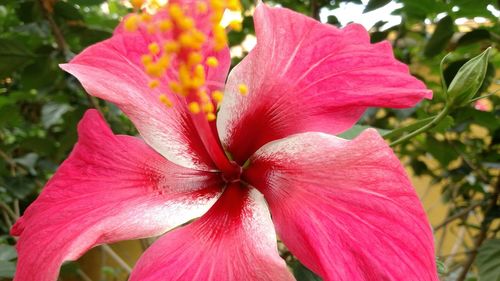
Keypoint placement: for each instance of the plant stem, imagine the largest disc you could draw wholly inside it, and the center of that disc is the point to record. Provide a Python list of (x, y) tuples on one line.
[(425, 128), (399, 131), (82, 274), (116, 257)]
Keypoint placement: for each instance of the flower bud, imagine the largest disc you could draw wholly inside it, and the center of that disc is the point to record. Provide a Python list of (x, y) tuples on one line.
[(468, 80)]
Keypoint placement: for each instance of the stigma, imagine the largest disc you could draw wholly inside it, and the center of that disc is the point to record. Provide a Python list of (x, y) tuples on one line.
[(181, 40)]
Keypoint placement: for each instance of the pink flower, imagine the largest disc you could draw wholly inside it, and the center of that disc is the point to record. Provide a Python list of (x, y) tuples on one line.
[(345, 209)]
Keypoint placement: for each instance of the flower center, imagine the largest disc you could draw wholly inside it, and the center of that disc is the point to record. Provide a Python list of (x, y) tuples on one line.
[(233, 175)]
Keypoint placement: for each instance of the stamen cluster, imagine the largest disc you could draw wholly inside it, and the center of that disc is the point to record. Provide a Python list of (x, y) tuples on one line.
[(182, 41)]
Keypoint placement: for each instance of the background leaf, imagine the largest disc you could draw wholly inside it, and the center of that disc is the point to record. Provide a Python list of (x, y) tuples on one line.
[(488, 260)]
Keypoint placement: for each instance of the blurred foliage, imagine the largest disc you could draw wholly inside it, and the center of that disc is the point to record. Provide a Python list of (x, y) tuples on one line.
[(40, 106)]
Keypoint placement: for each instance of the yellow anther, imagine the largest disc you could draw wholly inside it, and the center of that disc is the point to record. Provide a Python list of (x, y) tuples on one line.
[(220, 38), (145, 17), (217, 96), (165, 25), (187, 41), (175, 11), (186, 23), (154, 70), (201, 7), (131, 23), (199, 71), (166, 101), (210, 116), (212, 62), (243, 89), (208, 107), (154, 48), (171, 47), (175, 87), (184, 76), (199, 36), (198, 79), (236, 25), (153, 84), (137, 4), (146, 59), (194, 107), (164, 61), (194, 58)]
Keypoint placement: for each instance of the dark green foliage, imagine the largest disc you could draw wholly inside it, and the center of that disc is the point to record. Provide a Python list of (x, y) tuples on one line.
[(375, 4), (440, 38)]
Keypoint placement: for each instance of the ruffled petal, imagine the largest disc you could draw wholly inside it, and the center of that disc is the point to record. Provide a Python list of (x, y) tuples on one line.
[(234, 240), (306, 76), (111, 188), (346, 209), (112, 70)]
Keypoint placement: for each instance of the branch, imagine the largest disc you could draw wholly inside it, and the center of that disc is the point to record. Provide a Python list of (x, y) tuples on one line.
[(56, 31), (8, 210), (315, 9), (458, 215)]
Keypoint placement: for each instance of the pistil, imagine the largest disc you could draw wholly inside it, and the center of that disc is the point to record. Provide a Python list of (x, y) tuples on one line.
[(182, 40)]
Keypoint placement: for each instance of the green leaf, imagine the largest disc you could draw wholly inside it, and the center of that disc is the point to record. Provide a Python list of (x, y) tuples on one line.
[(440, 150), (67, 11), (441, 267), (29, 161), (468, 80), (375, 4), (378, 36), (422, 8), (488, 260), (13, 56), (7, 269), (333, 20), (440, 38), (474, 36), (7, 252), (444, 125), (87, 2), (52, 113)]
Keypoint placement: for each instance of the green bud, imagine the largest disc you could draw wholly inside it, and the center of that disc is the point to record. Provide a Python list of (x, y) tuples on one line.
[(468, 80)]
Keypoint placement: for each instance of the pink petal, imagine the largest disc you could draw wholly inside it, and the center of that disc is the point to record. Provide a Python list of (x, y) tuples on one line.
[(306, 76), (235, 240), (111, 188), (346, 209), (112, 70)]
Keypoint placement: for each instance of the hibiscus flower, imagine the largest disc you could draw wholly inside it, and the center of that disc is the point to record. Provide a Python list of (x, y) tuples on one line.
[(269, 163)]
